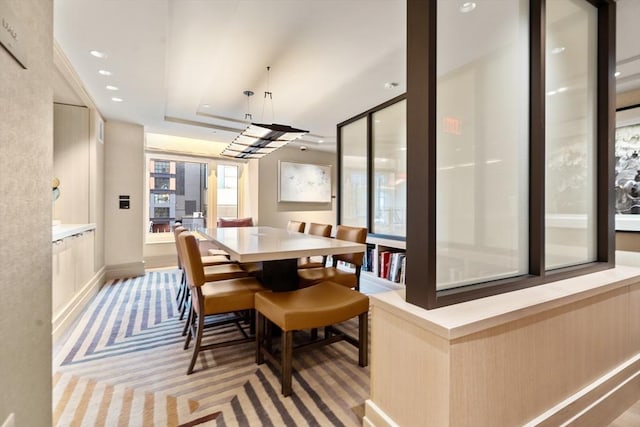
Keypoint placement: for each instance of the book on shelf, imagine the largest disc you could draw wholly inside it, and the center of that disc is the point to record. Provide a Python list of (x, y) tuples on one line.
[(395, 268), (385, 260), (403, 269)]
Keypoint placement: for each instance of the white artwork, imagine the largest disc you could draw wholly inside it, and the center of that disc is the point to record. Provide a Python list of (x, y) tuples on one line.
[(300, 182)]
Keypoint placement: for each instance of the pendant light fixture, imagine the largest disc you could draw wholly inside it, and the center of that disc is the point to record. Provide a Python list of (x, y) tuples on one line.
[(260, 139)]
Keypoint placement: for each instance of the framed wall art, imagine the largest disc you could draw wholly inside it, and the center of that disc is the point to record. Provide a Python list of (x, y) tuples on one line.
[(627, 169), (304, 183)]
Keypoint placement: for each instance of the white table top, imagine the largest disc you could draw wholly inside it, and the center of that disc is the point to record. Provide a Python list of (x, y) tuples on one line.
[(252, 244)]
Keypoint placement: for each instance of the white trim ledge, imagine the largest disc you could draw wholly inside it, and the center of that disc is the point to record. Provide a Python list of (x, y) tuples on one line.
[(463, 319)]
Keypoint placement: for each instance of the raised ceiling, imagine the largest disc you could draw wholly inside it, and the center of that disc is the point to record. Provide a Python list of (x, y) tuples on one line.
[(181, 66)]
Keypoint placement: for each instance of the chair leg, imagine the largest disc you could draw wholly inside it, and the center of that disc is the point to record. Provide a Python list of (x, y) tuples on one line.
[(196, 348), (259, 338), (313, 334), (287, 350), (363, 339), (184, 302), (189, 321), (181, 287)]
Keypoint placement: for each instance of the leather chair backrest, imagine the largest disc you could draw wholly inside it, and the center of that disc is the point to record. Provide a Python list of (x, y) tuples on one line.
[(320, 229), (351, 234), (191, 258), (297, 226), (176, 231), (236, 222)]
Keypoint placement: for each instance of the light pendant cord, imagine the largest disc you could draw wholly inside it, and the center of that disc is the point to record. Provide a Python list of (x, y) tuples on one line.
[(268, 94)]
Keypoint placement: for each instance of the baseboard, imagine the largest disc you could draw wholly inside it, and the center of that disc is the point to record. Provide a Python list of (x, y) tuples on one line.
[(123, 271), (375, 417), (160, 261), (600, 402), (61, 323)]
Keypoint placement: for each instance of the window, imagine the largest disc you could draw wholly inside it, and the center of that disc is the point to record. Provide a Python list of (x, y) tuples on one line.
[(227, 197), (161, 183), (482, 142), (168, 205), (353, 173), (161, 166), (570, 134), (509, 145), (389, 152)]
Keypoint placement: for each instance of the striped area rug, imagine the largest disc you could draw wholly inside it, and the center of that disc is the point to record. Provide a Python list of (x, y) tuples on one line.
[(123, 364)]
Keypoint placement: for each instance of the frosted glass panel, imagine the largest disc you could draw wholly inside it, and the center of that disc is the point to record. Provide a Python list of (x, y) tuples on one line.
[(570, 133), (482, 142), (390, 170), (353, 184)]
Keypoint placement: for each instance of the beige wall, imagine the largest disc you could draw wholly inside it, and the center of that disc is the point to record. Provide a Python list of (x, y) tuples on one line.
[(272, 213), (71, 163), (26, 144), (124, 175)]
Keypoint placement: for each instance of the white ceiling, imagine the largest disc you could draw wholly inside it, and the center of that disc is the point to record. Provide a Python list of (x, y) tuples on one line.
[(329, 59)]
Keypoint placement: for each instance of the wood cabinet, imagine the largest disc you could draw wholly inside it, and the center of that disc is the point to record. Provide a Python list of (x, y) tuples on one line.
[(72, 274)]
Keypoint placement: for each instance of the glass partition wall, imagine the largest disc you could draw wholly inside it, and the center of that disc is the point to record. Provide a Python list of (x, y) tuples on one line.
[(372, 170), (509, 145)]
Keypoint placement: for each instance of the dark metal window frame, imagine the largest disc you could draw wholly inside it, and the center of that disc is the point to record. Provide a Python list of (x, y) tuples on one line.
[(369, 116), (421, 159)]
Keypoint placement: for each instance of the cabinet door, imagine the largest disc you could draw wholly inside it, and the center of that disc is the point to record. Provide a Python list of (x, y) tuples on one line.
[(63, 276)]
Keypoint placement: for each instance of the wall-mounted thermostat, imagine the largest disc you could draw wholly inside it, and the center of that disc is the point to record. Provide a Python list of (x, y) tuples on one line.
[(124, 202)]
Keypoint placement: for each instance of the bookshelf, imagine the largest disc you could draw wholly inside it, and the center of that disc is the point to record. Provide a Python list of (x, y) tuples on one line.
[(385, 261)]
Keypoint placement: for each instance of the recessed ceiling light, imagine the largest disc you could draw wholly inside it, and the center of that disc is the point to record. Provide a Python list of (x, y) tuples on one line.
[(98, 54), (391, 85), (109, 87), (115, 99), (206, 106), (562, 89), (617, 74), (467, 7), (551, 92), (557, 50), (104, 72), (320, 141)]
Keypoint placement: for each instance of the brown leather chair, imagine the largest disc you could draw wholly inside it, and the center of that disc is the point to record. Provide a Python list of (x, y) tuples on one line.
[(312, 276), (226, 295), (181, 296), (317, 306), (323, 230), (296, 226), (215, 268), (235, 222)]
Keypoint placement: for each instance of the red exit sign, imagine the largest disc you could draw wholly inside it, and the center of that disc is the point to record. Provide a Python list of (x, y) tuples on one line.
[(452, 125)]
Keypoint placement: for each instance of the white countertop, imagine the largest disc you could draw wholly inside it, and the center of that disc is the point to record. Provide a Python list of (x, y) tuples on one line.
[(462, 319), (61, 231), (251, 244)]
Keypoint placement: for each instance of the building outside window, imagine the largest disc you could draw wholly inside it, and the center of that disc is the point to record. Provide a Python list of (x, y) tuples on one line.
[(227, 191)]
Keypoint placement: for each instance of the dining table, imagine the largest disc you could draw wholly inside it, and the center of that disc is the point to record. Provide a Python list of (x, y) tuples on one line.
[(276, 251)]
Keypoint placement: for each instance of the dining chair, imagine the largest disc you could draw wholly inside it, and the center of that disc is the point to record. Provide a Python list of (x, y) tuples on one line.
[(322, 305), (227, 295), (315, 229), (348, 278), (206, 260), (296, 226), (235, 222)]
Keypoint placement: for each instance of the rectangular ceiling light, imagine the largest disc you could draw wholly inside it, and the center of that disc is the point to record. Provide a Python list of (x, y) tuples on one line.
[(258, 140)]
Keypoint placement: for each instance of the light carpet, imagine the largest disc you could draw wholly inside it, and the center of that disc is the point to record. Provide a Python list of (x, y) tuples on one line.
[(123, 364)]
